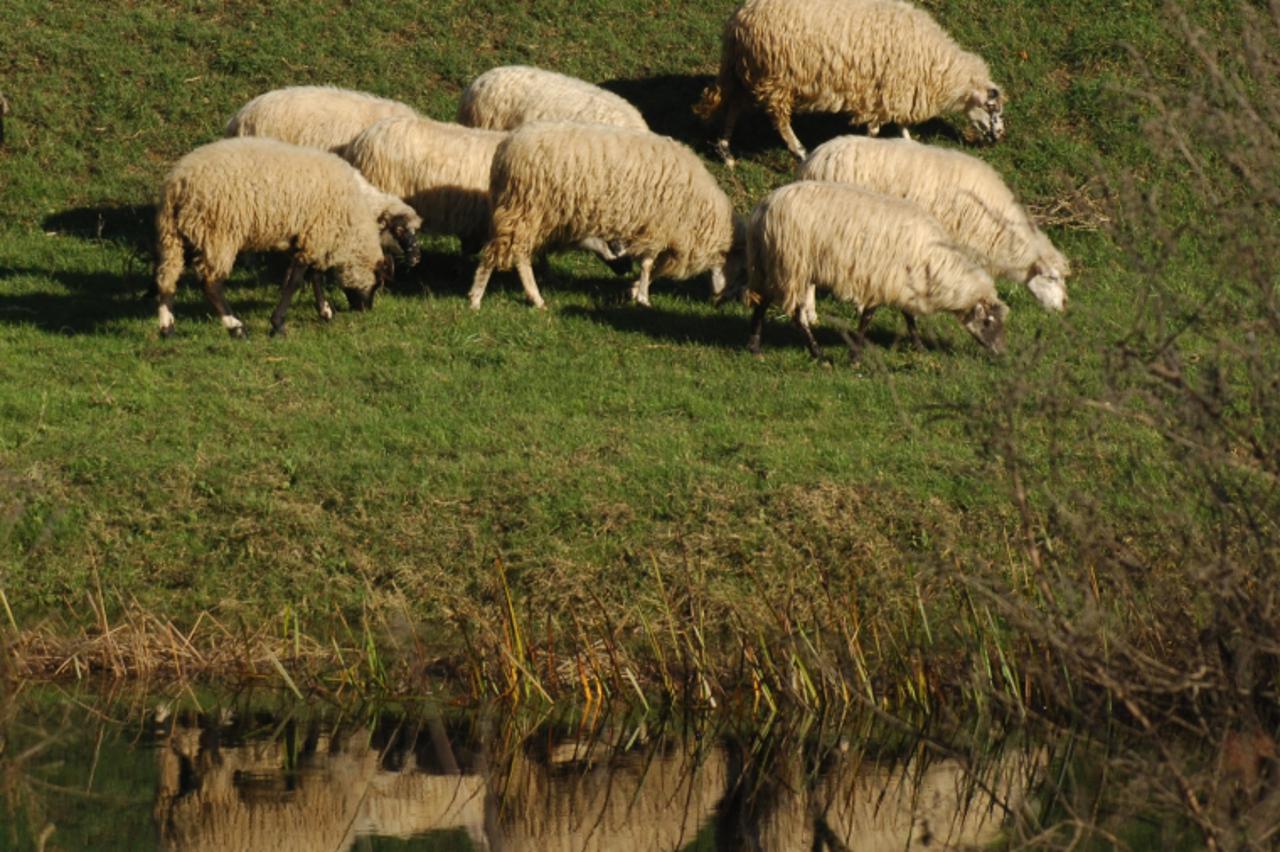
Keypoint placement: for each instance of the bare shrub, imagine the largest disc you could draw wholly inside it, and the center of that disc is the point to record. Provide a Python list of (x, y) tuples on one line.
[(1162, 617)]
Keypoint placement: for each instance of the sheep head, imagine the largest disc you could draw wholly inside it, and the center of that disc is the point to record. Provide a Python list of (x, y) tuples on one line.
[(729, 281), (403, 227), (985, 321), (1046, 279), (362, 284), (985, 108), (1049, 286)]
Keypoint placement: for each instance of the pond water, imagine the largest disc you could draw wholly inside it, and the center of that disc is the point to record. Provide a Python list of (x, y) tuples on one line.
[(254, 771)]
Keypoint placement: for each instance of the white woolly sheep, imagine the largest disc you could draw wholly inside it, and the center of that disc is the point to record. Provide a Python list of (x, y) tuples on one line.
[(324, 117), (505, 98), (964, 193), (865, 248), (560, 183), (262, 195), (881, 61), (442, 171)]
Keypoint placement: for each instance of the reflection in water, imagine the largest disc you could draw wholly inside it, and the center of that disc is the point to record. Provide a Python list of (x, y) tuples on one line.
[(333, 788), (260, 780), (856, 803)]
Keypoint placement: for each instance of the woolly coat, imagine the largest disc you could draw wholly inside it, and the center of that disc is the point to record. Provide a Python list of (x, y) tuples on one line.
[(863, 247), (974, 205), (323, 117), (440, 169), (506, 97), (880, 61), (238, 195), (555, 184)]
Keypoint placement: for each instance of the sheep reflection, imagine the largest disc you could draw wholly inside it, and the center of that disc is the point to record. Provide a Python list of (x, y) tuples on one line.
[(317, 788)]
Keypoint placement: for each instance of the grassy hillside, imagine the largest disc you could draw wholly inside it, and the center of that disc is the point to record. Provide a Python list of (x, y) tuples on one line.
[(625, 484)]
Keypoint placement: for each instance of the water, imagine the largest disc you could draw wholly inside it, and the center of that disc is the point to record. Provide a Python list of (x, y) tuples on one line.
[(253, 771)]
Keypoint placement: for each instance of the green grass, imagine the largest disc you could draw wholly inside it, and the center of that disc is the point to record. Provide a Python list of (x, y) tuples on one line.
[(399, 456)]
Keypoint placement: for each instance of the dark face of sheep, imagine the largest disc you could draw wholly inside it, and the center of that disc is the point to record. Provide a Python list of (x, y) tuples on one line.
[(985, 321), (986, 112), (404, 232), (361, 286)]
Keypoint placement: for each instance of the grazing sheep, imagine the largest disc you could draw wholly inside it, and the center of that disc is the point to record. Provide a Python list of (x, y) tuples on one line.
[(235, 195), (561, 183), (442, 170), (323, 117), (505, 98), (965, 194), (865, 248), (881, 61), (398, 223)]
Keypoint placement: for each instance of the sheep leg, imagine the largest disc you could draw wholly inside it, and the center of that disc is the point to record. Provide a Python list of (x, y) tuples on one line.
[(213, 271), (858, 339), (916, 340), (166, 313), (478, 285), (800, 321), (292, 280), (732, 111), (525, 270), (640, 289), (213, 291), (781, 115), (322, 304), (718, 284), (757, 326)]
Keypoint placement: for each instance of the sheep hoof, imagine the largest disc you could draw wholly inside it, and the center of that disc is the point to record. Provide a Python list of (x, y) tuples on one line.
[(238, 333), (166, 331)]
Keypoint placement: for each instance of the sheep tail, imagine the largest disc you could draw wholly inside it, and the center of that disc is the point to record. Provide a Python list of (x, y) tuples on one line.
[(170, 255), (726, 84)]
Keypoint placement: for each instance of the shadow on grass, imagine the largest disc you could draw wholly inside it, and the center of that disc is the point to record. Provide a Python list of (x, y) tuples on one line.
[(728, 328), (132, 227), (667, 102), (94, 299)]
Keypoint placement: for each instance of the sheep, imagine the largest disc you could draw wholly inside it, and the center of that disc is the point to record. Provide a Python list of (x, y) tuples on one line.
[(505, 98), (865, 248), (442, 170), (965, 194), (263, 195), (324, 117), (558, 183), (881, 61), (4, 110), (398, 223)]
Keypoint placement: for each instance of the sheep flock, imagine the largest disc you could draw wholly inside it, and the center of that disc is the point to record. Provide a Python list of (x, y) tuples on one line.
[(343, 181)]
